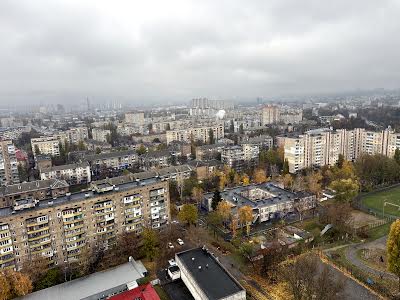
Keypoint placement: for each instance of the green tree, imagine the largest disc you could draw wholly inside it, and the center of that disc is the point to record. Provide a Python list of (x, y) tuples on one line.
[(214, 219), (216, 199), (345, 189), (150, 243), (285, 167), (340, 160), (397, 155), (22, 173), (98, 150), (188, 214), (393, 249), (241, 129), (37, 150), (141, 150), (211, 136)]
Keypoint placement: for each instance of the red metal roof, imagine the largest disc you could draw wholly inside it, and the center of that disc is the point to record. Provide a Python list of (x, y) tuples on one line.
[(143, 292)]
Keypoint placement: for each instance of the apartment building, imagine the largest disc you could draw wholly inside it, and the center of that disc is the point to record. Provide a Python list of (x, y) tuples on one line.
[(100, 135), (77, 134), (273, 114), (46, 145), (8, 163), (270, 115), (196, 134), (114, 160), (58, 227), (135, 118), (233, 157), (320, 147), (251, 152), (72, 173)]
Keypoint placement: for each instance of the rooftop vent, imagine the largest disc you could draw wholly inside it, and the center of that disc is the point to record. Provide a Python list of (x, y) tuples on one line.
[(199, 268), (192, 258)]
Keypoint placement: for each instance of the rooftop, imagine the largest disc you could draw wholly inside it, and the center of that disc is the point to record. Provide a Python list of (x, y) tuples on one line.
[(93, 286), (212, 277), (65, 167)]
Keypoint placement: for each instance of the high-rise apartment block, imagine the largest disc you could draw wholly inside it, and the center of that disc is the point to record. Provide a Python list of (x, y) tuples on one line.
[(44, 219), (320, 147), (8, 163)]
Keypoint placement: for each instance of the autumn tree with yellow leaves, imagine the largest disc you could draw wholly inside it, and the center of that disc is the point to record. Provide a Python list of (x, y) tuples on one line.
[(246, 217), (14, 284), (393, 249)]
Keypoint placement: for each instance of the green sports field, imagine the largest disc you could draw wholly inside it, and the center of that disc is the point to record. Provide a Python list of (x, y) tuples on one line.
[(375, 201)]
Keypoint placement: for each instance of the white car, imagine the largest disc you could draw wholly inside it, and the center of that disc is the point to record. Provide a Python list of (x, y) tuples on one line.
[(172, 262), (170, 246), (180, 242)]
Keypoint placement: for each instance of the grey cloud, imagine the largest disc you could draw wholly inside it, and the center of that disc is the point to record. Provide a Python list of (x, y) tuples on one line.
[(65, 50)]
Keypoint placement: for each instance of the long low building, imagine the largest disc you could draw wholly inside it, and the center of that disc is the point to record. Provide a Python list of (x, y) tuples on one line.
[(59, 224), (100, 285)]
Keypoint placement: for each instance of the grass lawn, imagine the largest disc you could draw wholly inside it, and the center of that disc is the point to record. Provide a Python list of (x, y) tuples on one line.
[(380, 231), (376, 201)]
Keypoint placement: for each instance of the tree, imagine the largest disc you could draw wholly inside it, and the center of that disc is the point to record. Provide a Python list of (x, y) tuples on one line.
[(141, 150), (340, 160), (224, 210), (20, 283), (246, 217), (223, 180), (22, 173), (245, 179), (98, 150), (288, 181), (216, 199), (393, 249), (197, 194), (214, 219), (150, 243), (188, 214), (241, 129), (5, 287), (260, 176), (313, 181), (345, 189), (37, 150), (285, 167), (326, 288), (397, 155), (247, 251), (211, 136)]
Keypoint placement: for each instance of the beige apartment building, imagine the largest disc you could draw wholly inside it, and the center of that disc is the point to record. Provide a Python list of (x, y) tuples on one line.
[(196, 134), (321, 147), (60, 225), (274, 114), (135, 118), (46, 145)]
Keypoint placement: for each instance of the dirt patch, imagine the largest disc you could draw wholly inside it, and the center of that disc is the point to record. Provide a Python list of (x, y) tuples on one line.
[(360, 219)]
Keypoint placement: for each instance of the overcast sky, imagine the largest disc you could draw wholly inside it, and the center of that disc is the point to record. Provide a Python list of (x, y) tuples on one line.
[(62, 51)]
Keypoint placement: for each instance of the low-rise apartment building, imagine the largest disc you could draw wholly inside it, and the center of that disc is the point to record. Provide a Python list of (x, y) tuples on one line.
[(196, 134), (72, 173), (46, 145), (60, 226), (118, 160)]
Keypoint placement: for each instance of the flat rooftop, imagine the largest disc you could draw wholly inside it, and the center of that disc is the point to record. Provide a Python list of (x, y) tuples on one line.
[(79, 196), (212, 278)]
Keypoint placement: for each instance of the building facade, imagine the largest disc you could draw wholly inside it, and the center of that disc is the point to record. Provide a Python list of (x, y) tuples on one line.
[(60, 227), (100, 135), (196, 134), (8, 163), (321, 147), (72, 173)]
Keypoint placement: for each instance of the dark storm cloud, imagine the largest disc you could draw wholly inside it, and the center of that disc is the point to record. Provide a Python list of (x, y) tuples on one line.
[(67, 50)]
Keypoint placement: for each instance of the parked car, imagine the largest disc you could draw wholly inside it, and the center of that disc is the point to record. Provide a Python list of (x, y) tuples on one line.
[(180, 242), (170, 246)]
